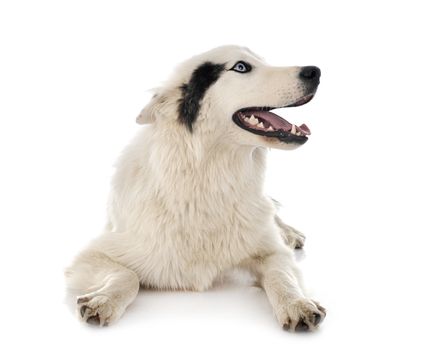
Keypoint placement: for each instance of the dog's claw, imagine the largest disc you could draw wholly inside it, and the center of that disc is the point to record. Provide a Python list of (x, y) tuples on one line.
[(302, 326), (286, 325), (94, 320), (82, 310), (82, 300), (317, 319)]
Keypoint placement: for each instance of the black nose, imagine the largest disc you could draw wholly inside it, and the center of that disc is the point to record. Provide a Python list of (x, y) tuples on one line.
[(310, 74)]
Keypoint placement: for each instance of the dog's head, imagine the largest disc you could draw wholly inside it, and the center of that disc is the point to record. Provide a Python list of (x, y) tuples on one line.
[(229, 93)]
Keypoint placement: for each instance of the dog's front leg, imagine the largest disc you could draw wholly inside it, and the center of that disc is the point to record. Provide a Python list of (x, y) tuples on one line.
[(279, 276), (105, 288), (291, 236)]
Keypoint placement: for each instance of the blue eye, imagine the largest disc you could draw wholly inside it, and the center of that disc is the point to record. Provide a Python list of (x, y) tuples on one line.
[(241, 67)]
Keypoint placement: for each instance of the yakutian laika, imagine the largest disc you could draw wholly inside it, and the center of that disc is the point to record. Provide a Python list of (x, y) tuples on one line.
[(187, 200)]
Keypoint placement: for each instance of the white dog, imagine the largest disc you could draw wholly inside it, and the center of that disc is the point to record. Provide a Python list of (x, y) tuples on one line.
[(187, 201)]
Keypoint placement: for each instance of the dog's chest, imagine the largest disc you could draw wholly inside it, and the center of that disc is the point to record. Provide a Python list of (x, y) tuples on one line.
[(188, 224), (187, 244)]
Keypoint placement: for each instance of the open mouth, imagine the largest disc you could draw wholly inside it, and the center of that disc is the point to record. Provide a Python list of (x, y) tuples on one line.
[(261, 121)]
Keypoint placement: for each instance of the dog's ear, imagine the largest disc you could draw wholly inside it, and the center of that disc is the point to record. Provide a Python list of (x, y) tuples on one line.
[(148, 114)]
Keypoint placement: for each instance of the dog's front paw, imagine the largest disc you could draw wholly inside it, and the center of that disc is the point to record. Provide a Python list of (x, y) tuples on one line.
[(97, 309), (296, 237), (301, 315), (293, 238)]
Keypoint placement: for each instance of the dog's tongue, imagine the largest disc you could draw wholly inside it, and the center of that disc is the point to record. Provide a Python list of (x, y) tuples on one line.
[(277, 122), (304, 129)]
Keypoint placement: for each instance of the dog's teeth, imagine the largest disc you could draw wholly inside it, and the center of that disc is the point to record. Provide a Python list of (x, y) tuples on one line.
[(270, 128), (293, 131), (261, 125), (246, 119), (253, 120)]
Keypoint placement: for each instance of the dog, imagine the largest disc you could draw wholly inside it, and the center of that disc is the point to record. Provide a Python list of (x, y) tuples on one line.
[(187, 201)]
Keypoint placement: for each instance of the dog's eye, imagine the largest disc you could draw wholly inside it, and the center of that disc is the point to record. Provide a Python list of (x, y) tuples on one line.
[(241, 67)]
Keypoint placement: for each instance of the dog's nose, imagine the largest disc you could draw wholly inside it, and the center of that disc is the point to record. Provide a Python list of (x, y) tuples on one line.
[(310, 74)]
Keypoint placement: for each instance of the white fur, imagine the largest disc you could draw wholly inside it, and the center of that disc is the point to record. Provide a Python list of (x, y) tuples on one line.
[(186, 207)]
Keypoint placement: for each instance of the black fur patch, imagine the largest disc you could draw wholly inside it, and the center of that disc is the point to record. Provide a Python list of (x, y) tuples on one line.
[(202, 78)]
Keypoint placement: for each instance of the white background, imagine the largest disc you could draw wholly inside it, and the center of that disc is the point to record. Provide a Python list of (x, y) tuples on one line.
[(368, 189)]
